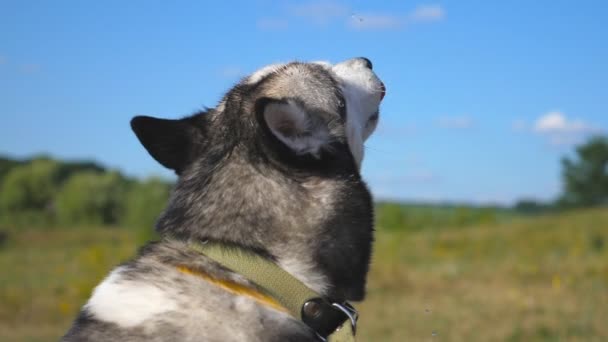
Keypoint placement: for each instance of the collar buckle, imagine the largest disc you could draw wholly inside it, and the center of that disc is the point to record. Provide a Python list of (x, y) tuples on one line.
[(325, 317), (349, 311)]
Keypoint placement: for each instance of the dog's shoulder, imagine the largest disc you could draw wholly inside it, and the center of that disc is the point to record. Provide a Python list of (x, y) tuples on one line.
[(160, 296)]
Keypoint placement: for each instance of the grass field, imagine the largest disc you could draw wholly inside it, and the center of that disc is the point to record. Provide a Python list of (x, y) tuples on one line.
[(525, 279)]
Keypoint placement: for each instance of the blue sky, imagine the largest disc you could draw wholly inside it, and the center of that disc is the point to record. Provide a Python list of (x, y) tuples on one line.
[(483, 99)]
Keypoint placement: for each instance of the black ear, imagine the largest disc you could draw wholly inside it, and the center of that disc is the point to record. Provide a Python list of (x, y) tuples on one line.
[(169, 142)]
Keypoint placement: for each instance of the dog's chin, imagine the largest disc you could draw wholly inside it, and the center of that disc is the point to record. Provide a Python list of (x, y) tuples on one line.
[(356, 294), (354, 290), (374, 116), (371, 125)]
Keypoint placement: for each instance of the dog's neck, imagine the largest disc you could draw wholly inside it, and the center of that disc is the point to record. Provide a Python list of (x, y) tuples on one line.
[(259, 208), (252, 208)]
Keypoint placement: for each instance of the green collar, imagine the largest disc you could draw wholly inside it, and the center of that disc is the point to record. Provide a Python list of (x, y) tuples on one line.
[(331, 321)]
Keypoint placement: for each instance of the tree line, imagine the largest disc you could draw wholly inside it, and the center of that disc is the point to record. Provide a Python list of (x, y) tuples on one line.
[(584, 179), (46, 192)]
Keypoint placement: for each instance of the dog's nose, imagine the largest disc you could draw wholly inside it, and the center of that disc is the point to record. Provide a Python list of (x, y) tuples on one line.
[(368, 64)]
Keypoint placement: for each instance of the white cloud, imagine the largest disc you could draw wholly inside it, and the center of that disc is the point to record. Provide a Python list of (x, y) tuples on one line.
[(375, 21), (320, 12), (231, 71), (30, 68), (272, 24), (561, 130), (392, 129), (557, 122), (387, 21), (427, 13), (519, 125), (455, 122)]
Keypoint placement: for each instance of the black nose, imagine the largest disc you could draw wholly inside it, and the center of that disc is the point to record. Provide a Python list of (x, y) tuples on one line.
[(367, 62)]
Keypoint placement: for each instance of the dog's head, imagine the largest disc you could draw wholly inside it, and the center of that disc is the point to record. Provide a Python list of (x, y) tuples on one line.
[(275, 168), (305, 107)]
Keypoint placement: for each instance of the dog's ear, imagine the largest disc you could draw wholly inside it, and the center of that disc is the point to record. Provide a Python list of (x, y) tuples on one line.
[(299, 130), (172, 143)]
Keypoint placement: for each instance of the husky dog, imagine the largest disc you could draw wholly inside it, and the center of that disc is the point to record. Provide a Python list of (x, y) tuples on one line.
[(273, 169)]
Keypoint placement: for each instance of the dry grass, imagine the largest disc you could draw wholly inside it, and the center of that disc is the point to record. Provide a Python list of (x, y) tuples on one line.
[(541, 279), (537, 279), (47, 275)]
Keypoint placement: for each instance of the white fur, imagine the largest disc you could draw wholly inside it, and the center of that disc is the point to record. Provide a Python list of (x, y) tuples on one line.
[(324, 64), (127, 303), (306, 273), (267, 70), (291, 124), (362, 91)]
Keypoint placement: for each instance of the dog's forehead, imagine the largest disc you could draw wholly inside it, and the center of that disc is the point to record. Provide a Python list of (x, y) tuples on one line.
[(261, 73), (311, 83)]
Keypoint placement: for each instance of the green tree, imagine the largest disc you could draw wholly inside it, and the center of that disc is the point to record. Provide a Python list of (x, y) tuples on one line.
[(145, 202), (6, 165), (586, 176), (93, 198), (28, 191), (530, 206)]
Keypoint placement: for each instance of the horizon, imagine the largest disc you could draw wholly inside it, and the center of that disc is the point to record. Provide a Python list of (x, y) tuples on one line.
[(481, 103), (172, 178)]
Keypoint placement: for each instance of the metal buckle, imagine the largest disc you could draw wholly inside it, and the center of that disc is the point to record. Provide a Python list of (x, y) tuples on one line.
[(348, 311)]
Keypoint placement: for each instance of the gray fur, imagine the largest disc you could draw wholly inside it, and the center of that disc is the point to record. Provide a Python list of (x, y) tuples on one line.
[(239, 185)]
